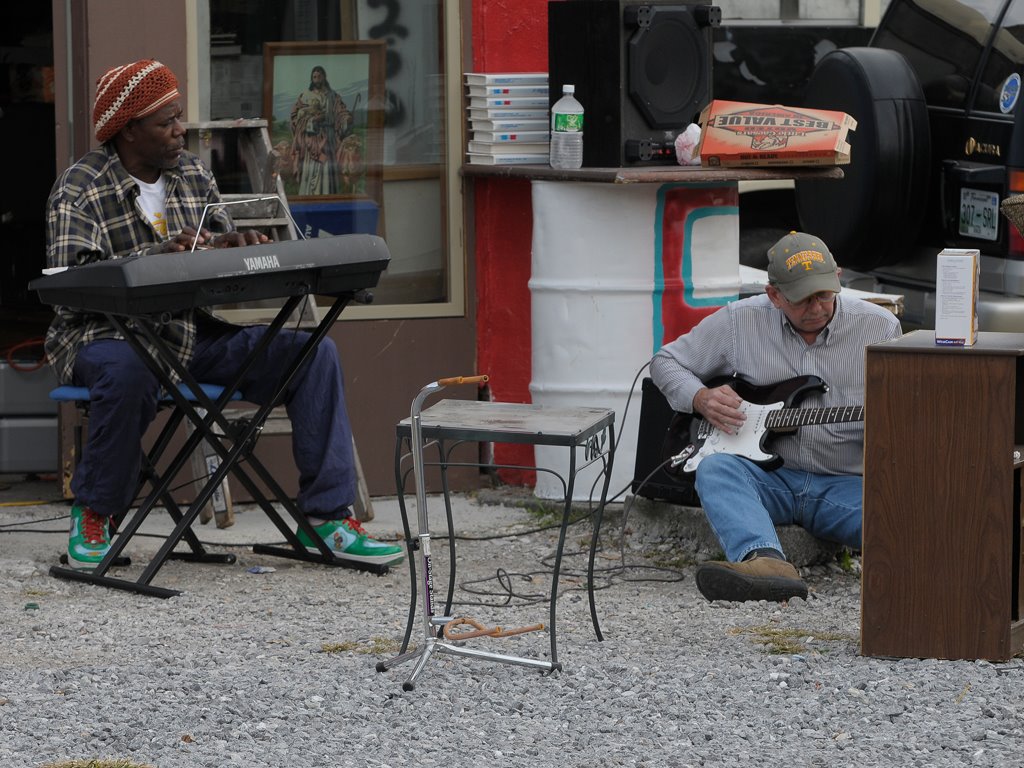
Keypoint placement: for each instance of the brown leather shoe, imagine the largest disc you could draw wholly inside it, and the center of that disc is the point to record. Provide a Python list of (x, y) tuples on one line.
[(760, 578)]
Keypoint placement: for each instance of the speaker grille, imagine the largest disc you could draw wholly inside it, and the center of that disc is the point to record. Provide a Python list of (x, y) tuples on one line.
[(664, 53)]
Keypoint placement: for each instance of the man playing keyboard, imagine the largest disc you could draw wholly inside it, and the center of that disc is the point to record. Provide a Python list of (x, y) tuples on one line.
[(141, 192)]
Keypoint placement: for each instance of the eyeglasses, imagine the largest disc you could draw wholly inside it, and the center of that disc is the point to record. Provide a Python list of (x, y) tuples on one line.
[(821, 297)]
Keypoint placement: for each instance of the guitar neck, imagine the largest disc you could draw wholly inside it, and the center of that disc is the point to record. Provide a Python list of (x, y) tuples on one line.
[(787, 418)]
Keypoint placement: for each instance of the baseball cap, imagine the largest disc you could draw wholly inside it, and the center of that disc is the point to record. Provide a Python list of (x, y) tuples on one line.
[(801, 264)]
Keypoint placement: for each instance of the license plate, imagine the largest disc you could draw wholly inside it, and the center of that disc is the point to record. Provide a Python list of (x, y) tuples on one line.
[(979, 214)]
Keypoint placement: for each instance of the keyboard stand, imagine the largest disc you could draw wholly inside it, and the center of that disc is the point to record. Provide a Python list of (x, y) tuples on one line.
[(232, 444), (450, 423)]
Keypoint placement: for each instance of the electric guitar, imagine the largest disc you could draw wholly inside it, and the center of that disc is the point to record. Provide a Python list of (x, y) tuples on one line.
[(769, 409)]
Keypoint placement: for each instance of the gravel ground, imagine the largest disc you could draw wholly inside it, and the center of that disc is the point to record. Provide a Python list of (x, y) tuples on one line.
[(278, 669)]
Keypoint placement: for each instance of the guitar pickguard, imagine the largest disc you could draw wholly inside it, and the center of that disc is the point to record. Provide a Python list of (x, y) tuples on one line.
[(746, 442)]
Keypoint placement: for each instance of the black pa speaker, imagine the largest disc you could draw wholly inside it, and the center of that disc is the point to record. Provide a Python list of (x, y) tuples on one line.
[(656, 443), (642, 72)]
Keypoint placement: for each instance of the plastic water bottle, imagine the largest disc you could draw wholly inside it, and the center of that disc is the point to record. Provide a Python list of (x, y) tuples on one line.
[(566, 150)]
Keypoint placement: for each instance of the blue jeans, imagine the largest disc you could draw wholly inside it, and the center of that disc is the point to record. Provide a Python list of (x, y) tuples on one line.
[(744, 503), (124, 402)]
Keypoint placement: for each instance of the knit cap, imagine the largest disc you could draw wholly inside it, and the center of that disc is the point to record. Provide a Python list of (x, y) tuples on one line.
[(130, 91)]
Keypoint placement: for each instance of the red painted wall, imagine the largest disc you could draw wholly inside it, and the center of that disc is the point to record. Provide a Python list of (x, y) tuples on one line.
[(508, 36)]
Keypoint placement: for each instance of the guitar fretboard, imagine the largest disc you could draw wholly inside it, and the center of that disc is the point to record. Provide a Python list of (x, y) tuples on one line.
[(801, 417)]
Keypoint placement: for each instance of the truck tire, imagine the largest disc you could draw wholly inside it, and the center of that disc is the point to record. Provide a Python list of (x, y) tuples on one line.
[(872, 216)]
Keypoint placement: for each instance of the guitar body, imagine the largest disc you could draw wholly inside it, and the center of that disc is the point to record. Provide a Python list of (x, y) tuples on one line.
[(695, 438)]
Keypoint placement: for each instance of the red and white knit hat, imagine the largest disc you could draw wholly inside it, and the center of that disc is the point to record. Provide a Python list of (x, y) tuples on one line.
[(130, 91)]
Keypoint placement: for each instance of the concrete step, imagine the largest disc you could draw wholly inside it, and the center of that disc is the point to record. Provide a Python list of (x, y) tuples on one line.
[(659, 523)]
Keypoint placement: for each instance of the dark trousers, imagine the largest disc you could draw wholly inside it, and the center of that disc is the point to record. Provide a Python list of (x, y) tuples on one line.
[(123, 403)]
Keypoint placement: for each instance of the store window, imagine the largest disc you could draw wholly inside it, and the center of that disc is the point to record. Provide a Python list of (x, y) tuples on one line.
[(355, 95)]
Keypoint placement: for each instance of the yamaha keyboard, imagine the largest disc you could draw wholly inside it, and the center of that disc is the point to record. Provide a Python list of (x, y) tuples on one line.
[(169, 282)]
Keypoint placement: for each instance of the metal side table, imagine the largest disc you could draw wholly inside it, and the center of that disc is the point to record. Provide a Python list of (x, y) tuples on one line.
[(448, 423)]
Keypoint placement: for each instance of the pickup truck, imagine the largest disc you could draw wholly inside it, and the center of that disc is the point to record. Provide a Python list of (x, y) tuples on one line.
[(938, 147)]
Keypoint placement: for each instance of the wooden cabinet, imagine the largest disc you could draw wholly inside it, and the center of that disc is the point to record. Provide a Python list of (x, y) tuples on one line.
[(942, 498)]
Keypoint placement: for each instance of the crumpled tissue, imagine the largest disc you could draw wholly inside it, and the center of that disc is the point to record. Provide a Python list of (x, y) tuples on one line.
[(686, 145)]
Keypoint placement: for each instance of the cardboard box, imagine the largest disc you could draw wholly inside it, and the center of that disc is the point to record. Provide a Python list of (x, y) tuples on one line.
[(956, 297), (736, 133)]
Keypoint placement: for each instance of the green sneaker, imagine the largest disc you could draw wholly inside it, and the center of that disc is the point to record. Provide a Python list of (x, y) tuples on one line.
[(347, 539), (89, 539)]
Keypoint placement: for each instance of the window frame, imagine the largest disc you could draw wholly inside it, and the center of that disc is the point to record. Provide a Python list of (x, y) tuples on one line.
[(453, 228)]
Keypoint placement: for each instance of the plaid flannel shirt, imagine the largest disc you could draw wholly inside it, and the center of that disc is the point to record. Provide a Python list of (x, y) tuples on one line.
[(93, 208)]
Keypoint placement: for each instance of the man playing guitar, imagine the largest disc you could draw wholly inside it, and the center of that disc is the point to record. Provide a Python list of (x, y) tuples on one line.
[(800, 326)]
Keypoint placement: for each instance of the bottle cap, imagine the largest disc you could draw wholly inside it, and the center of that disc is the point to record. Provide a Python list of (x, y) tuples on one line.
[(569, 88)]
